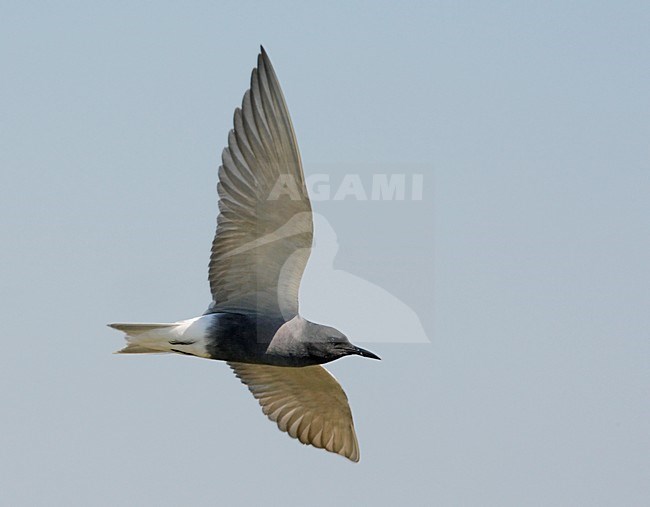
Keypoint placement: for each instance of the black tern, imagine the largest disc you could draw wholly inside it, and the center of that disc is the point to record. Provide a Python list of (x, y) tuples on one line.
[(260, 250)]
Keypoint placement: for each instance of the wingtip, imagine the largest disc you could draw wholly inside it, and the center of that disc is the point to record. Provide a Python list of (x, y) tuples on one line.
[(263, 57), (354, 459), (354, 455)]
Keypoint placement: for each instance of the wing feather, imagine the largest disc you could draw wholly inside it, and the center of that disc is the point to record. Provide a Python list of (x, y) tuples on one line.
[(307, 403), (262, 244)]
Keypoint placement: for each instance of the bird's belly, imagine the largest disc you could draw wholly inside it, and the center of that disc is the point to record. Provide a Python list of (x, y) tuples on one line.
[(244, 339), (191, 336)]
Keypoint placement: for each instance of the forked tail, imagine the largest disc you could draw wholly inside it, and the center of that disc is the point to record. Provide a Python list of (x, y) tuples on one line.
[(142, 338)]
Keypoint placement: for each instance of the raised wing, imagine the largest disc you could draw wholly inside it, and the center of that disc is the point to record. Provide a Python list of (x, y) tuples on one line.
[(307, 403), (264, 229)]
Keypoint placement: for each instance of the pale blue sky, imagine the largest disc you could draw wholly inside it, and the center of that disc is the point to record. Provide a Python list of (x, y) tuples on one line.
[(526, 260)]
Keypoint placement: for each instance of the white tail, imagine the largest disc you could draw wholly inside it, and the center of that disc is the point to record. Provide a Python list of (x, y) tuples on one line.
[(136, 334), (184, 337), (133, 329)]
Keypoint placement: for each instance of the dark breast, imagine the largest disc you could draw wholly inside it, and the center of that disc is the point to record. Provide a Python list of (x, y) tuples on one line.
[(242, 338)]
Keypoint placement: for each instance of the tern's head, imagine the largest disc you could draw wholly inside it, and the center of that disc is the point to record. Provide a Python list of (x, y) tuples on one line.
[(330, 343)]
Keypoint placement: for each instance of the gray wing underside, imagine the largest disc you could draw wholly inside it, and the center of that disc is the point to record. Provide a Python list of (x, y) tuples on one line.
[(307, 403), (264, 228)]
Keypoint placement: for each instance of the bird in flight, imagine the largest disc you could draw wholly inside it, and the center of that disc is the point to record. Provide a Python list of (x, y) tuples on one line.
[(259, 252)]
